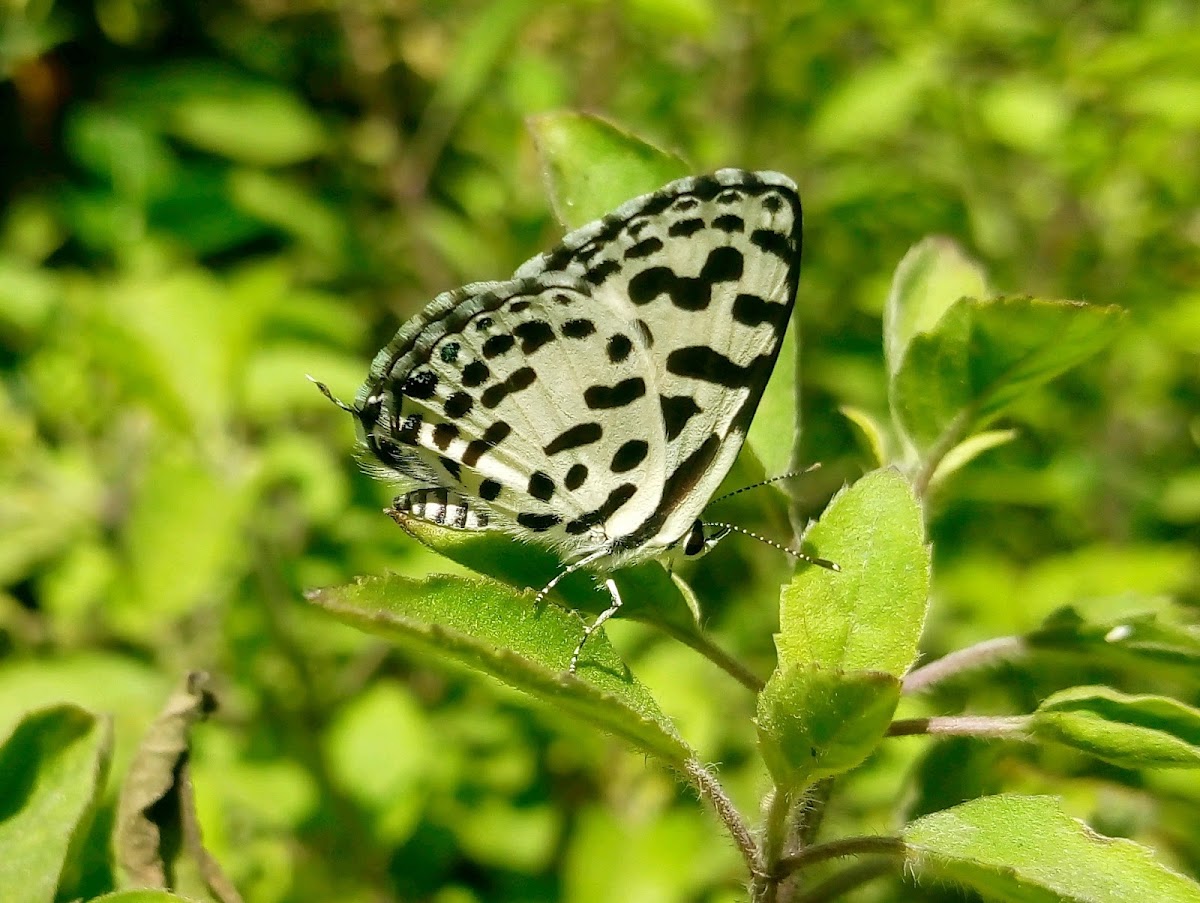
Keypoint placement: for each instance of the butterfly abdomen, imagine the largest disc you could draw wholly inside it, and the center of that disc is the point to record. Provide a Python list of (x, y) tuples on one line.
[(442, 507)]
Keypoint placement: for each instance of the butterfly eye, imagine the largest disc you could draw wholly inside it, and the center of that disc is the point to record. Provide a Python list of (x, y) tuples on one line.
[(695, 544)]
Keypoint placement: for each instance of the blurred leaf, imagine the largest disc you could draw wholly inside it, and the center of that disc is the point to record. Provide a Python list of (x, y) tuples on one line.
[(121, 151), (868, 616), (141, 896), (157, 841), (53, 769), (262, 124), (874, 102), (285, 203), (592, 166), (1141, 635), (981, 356), (489, 628), (773, 431), (870, 435), (933, 275), (1130, 731), (1025, 848), (814, 724), (1026, 113), (968, 450), (395, 785), (675, 18)]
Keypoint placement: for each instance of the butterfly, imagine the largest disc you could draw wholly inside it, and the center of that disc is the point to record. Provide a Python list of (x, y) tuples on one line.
[(593, 402)]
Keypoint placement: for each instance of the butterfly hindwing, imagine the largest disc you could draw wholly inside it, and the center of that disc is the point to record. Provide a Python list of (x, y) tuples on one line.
[(595, 401)]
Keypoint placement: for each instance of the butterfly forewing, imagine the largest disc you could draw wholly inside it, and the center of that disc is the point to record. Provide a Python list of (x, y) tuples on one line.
[(596, 401)]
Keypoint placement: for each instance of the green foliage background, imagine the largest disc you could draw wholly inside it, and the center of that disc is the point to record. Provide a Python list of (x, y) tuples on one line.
[(204, 201)]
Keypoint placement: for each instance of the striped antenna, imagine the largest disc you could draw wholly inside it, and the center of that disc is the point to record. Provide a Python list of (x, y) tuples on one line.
[(325, 391), (819, 562), (780, 478)]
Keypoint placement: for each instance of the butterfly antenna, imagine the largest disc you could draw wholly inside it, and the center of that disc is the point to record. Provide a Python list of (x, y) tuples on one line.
[(819, 562), (325, 391), (780, 478)]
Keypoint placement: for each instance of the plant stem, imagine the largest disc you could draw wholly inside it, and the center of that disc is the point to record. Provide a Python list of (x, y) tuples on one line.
[(835, 849), (710, 789), (847, 880), (718, 656), (765, 887), (973, 657), (1014, 727)]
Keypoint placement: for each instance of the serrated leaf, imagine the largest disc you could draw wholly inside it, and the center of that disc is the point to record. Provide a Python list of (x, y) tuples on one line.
[(491, 628), (647, 592), (591, 166), (1025, 848), (934, 274), (981, 356), (52, 771), (814, 724), (1130, 731), (868, 616)]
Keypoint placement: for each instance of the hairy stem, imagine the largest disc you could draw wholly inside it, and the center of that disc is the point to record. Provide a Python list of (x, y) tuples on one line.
[(1014, 727), (765, 888), (710, 789), (836, 849), (972, 658), (855, 876)]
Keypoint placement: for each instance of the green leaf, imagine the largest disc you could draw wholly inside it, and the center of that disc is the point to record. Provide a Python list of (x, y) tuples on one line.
[(981, 356), (52, 771), (814, 724), (968, 450), (934, 274), (490, 628), (1025, 848), (1130, 731), (260, 124), (141, 896), (1143, 637), (647, 592), (591, 166), (772, 434), (870, 434), (868, 616)]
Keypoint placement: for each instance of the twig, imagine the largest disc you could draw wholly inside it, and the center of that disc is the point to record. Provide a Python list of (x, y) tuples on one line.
[(853, 877), (836, 849), (972, 658), (765, 887), (710, 789), (1014, 727)]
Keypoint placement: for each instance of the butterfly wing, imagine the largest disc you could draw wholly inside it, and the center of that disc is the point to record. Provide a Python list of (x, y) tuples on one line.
[(531, 397), (706, 268)]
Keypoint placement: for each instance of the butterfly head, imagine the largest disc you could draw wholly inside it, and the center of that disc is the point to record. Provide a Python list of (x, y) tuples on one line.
[(702, 537)]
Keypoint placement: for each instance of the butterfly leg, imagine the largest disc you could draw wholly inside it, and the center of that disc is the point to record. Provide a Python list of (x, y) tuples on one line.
[(569, 569), (595, 625)]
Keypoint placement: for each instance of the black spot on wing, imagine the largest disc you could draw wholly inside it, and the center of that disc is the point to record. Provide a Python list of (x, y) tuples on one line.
[(703, 363), (578, 329), (751, 310), (419, 385), (611, 505), (483, 324), (489, 490), (452, 467), (497, 345), (773, 202), (492, 436), (538, 523), (576, 436), (618, 396), (541, 486), (533, 335), (449, 351), (517, 306), (619, 347), (630, 455), (729, 222), (475, 374), (644, 248), (677, 410), (409, 429), (600, 273), (575, 476), (458, 405), (685, 228), (516, 381), (773, 243), (724, 264), (444, 434)]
